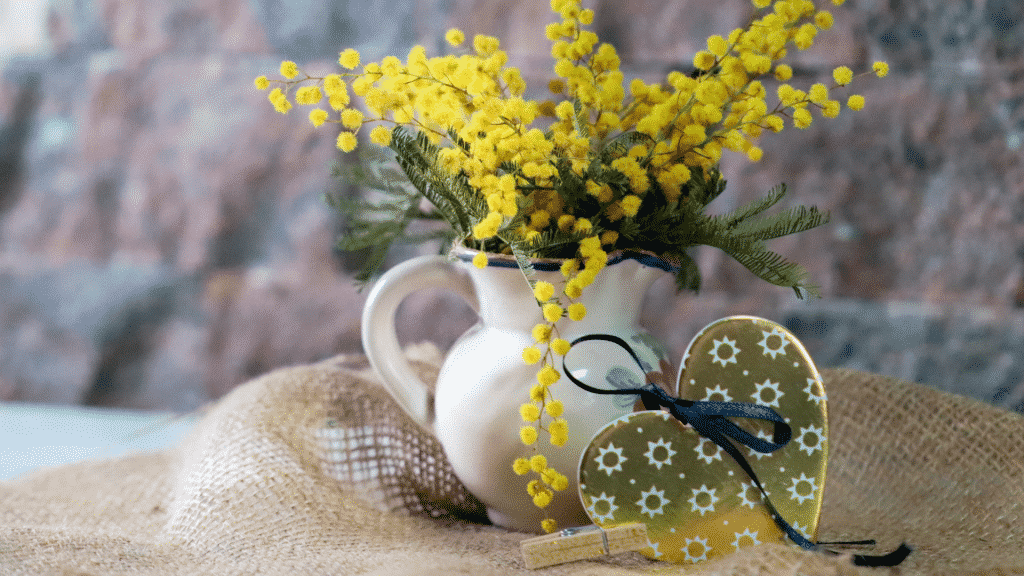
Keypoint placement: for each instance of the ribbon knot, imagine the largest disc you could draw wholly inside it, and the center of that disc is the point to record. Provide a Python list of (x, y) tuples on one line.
[(710, 419)]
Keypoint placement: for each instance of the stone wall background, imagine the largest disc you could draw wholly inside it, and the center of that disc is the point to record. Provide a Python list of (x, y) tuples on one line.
[(163, 237)]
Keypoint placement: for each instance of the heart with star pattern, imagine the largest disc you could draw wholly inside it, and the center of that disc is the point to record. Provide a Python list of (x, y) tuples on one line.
[(696, 501)]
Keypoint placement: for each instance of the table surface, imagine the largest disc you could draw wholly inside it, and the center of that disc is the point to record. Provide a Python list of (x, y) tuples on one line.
[(42, 435)]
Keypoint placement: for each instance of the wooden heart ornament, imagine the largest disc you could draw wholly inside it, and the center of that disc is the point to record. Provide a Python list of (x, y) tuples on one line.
[(696, 500)]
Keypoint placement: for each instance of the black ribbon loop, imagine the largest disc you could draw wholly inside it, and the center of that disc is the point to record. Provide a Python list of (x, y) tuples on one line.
[(711, 420)]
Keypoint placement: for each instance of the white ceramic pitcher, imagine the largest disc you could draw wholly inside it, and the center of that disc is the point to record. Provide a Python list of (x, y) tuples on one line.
[(483, 381)]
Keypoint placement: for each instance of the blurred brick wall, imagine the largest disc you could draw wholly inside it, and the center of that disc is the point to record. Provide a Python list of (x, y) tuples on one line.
[(162, 236)]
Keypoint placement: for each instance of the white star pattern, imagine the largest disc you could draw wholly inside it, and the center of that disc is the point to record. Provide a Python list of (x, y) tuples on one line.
[(607, 516), (799, 528), (796, 495), (654, 547), (705, 491), (644, 496), (819, 439), (764, 436), (766, 343), (811, 395), (669, 452), (707, 458), (731, 349), (744, 501), (718, 390), (610, 449), (739, 540), (767, 385), (704, 549)]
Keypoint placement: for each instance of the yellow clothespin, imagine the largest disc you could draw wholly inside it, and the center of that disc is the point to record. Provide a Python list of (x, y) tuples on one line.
[(581, 543)]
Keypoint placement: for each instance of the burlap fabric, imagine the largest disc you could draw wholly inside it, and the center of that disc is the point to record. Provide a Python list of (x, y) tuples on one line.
[(314, 470)]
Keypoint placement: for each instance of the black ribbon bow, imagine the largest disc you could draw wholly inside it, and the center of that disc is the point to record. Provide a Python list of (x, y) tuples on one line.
[(711, 420)]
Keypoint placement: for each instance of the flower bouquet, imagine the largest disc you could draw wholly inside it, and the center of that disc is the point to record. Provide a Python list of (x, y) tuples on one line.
[(603, 165)]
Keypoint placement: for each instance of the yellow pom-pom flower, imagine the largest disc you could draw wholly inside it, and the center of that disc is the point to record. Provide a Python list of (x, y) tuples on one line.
[(560, 482), (783, 72), (554, 408), (454, 36), (543, 291), (818, 93), (823, 20), (548, 375), (261, 82), (317, 117), (308, 95), (573, 288), (704, 60), (528, 435), (541, 333), (802, 118), (289, 70), (552, 312), (521, 466), (880, 68), (559, 431), (349, 58), (534, 487), (855, 102), (480, 260), (351, 118), (569, 267), (529, 412), (842, 75), (381, 135), (538, 393), (549, 525), (717, 45), (333, 84), (531, 355), (560, 346), (346, 142), (279, 100), (577, 311), (538, 463), (631, 205), (542, 499), (487, 227)]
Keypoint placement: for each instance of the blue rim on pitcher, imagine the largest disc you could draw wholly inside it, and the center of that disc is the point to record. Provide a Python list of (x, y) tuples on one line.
[(648, 259)]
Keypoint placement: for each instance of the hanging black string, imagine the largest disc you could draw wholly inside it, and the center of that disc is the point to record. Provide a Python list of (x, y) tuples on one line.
[(711, 420)]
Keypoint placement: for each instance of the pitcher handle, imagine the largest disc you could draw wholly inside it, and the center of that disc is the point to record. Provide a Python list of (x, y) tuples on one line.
[(380, 340)]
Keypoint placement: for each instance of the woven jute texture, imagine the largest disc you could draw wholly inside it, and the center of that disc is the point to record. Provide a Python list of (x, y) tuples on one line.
[(314, 470)]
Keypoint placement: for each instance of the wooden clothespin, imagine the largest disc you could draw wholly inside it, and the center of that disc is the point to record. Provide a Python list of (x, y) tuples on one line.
[(581, 543)]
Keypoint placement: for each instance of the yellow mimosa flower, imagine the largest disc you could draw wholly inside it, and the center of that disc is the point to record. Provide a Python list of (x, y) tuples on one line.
[(289, 70), (577, 311), (521, 466), (454, 36), (528, 435), (529, 412)]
